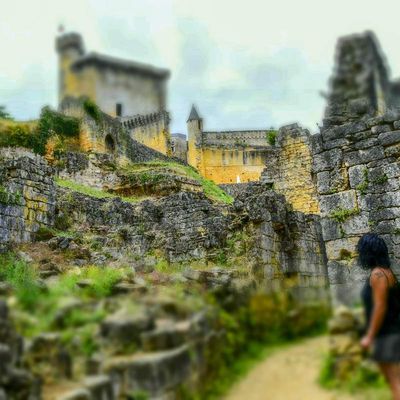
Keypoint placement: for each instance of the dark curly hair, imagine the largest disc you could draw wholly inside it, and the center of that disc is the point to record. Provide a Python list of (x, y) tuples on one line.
[(372, 252)]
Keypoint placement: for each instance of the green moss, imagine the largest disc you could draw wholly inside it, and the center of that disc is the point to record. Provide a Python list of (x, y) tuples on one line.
[(380, 180), (345, 254), (342, 214)]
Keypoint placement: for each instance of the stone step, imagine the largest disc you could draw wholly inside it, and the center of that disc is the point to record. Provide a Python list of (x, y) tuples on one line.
[(166, 337), (98, 387), (155, 373)]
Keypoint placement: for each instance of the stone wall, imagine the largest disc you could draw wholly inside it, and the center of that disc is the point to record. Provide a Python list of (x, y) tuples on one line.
[(226, 156), (282, 246), (151, 130), (288, 250), (27, 195), (357, 169), (184, 225), (251, 138), (109, 135), (288, 169)]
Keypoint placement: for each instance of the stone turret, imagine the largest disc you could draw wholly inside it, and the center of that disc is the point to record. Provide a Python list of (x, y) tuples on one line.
[(195, 139), (70, 48)]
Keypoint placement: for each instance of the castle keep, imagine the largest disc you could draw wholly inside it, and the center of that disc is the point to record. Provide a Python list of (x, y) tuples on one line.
[(134, 93)]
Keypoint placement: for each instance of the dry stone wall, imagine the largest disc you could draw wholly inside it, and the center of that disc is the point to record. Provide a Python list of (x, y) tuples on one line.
[(357, 169), (27, 195)]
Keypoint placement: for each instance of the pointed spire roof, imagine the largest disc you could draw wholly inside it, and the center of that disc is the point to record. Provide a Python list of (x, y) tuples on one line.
[(194, 115)]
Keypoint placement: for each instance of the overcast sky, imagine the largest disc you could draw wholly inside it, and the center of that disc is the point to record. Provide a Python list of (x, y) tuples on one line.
[(245, 64)]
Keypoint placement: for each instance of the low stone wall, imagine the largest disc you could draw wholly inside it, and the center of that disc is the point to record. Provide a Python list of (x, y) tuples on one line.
[(357, 170), (182, 225), (27, 195)]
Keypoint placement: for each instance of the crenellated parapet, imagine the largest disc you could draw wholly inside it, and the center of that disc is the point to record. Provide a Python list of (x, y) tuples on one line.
[(231, 139), (138, 121)]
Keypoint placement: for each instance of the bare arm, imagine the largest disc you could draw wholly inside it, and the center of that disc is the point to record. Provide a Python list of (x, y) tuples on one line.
[(380, 287)]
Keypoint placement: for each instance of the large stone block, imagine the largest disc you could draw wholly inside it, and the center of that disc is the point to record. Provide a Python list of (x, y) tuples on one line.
[(389, 138), (339, 248), (358, 175), (346, 200), (364, 156), (327, 160)]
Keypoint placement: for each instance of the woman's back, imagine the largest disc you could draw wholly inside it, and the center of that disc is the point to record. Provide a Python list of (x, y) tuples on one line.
[(391, 322)]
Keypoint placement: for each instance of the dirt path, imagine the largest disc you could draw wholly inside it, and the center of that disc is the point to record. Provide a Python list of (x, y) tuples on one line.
[(288, 374)]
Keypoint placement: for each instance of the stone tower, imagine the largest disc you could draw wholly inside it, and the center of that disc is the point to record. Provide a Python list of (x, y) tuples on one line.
[(195, 140), (69, 48), (360, 84)]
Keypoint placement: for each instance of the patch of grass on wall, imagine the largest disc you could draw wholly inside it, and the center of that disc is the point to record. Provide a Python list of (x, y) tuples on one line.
[(342, 214), (89, 191)]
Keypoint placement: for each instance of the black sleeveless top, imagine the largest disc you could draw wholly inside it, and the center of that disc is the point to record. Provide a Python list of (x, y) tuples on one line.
[(391, 322)]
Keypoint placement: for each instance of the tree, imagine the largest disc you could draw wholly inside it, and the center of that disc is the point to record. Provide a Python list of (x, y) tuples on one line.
[(4, 114)]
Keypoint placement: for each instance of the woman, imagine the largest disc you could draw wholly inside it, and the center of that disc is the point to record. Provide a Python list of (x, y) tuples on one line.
[(381, 297)]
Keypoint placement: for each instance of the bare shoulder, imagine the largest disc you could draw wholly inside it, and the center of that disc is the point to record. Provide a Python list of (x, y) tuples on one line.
[(379, 277)]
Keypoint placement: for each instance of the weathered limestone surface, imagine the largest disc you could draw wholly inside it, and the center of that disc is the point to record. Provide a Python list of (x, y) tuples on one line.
[(27, 195), (288, 169), (288, 245), (357, 171)]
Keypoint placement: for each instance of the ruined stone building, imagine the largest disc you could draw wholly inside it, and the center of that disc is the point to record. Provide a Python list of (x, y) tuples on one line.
[(134, 93), (226, 156)]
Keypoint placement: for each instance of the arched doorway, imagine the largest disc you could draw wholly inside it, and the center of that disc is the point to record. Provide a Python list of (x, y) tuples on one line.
[(110, 144)]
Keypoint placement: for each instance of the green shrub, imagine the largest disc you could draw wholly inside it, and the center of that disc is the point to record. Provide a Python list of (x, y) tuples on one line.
[(102, 280), (4, 113), (35, 136), (92, 109), (271, 137), (44, 233)]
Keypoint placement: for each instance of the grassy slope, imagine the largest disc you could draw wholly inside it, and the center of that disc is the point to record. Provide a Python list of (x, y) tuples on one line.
[(211, 190)]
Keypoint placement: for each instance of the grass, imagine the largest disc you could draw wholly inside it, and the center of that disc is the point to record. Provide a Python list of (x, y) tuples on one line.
[(211, 189), (38, 306), (366, 383), (342, 214), (89, 191)]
